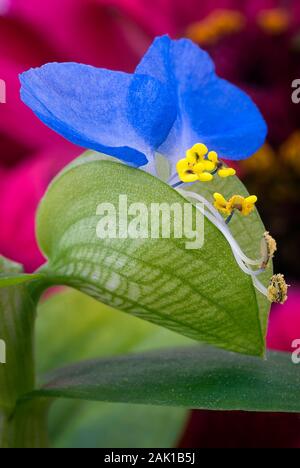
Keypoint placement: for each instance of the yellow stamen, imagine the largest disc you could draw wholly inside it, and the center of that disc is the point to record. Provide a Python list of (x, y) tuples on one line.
[(209, 166), (182, 165), (249, 205), (220, 199), (201, 163), (199, 167), (221, 204), (205, 177), (244, 205), (185, 171), (189, 177), (278, 290), (226, 172), (213, 157), (218, 24), (197, 153), (274, 21), (236, 203)]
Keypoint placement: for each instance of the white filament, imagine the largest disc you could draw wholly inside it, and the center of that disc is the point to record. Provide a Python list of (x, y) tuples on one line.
[(242, 260)]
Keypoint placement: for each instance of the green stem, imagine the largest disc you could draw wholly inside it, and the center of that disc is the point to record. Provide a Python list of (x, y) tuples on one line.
[(20, 425), (26, 427)]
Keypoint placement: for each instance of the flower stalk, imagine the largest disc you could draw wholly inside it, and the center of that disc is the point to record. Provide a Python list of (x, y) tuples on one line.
[(21, 425), (26, 427)]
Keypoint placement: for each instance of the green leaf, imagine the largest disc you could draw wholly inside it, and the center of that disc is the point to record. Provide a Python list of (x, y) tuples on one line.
[(195, 377), (73, 327), (11, 274), (248, 231), (13, 280), (202, 293)]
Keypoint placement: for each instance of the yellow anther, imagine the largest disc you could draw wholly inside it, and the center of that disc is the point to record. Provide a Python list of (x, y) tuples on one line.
[(278, 290), (205, 177), (218, 24), (192, 173), (221, 204), (220, 199), (199, 167), (191, 157), (274, 21), (244, 205), (200, 149), (182, 165), (189, 177), (236, 203), (209, 166), (195, 167), (226, 172), (213, 157), (197, 153), (248, 205), (185, 171), (203, 163)]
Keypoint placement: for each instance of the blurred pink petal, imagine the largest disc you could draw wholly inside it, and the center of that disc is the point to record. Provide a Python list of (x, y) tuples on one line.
[(93, 31), (18, 52), (17, 122), (284, 325), (20, 192), (209, 429)]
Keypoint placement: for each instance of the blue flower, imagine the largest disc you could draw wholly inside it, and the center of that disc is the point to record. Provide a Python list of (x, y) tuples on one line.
[(172, 101)]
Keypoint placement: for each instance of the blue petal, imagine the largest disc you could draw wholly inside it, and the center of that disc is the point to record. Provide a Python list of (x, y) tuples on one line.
[(126, 116), (210, 110)]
